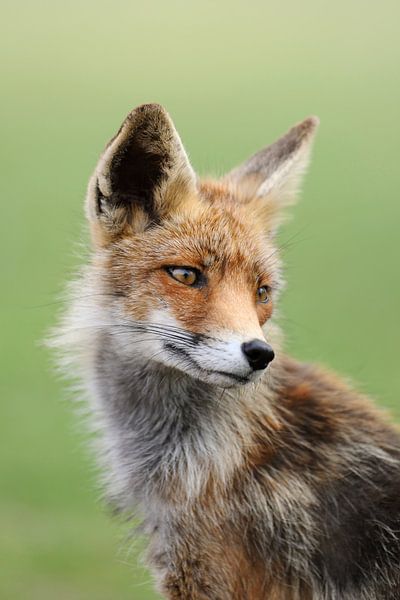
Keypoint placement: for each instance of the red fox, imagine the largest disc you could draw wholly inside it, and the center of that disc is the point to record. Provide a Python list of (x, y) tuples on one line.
[(256, 477)]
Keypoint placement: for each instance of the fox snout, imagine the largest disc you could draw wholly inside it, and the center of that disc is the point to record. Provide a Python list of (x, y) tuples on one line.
[(223, 358), (258, 353)]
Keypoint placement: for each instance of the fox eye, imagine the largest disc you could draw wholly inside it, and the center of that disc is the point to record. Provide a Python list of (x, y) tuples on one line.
[(263, 294), (184, 275)]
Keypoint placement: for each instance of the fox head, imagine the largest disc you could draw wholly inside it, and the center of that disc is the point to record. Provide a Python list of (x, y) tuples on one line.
[(189, 267)]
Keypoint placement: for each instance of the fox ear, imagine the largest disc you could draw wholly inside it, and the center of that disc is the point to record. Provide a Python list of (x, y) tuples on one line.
[(270, 179), (142, 176)]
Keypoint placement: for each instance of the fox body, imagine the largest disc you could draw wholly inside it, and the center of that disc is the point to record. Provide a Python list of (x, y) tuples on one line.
[(255, 478)]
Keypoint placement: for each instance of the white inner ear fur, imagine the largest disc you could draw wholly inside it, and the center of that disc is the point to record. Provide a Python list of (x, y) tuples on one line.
[(288, 175), (272, 176), (161, 138)]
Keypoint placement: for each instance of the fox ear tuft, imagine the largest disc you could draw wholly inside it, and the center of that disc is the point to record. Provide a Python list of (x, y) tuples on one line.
[(270, 179), (142, 176)]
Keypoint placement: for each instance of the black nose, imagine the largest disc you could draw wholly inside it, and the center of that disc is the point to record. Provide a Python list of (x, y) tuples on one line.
[(258, 353)]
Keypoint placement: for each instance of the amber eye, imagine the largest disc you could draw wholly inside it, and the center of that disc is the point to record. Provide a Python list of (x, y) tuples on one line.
[(184, 275), (263, 294)]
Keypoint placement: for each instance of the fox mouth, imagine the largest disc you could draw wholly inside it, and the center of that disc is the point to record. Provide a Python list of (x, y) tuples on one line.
[(180, 352)]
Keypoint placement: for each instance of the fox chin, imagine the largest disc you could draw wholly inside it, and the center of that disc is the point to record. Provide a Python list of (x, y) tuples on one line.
[(256, 476)]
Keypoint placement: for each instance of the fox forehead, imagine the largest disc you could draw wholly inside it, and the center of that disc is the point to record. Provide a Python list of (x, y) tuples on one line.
[(208, 235), (219, 239)]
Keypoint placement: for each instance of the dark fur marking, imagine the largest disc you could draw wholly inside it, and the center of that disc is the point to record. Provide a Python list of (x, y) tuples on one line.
[(136, 173), (360, 528)]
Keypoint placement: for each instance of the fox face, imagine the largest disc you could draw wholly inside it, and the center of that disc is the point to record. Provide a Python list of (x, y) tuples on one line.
[(190, 267)]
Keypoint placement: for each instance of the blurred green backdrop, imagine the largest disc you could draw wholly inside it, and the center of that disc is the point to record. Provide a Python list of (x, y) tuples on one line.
[(234, 75)]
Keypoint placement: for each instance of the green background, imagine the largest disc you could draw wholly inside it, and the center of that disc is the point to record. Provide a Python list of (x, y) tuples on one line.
[(234, 76)]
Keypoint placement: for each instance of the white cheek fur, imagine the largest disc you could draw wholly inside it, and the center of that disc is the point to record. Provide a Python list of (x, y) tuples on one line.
[(220, 353)]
